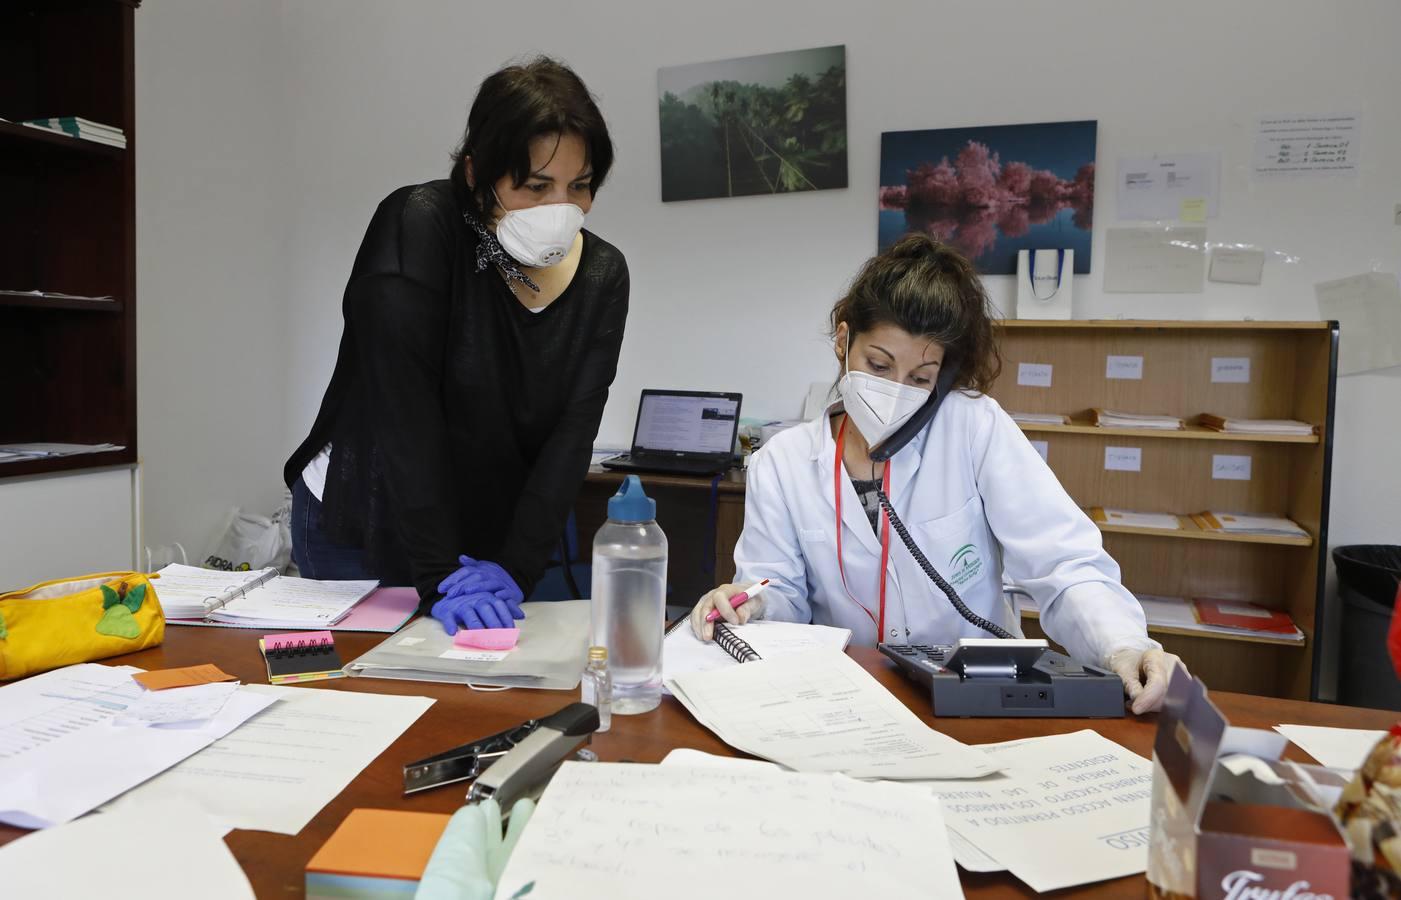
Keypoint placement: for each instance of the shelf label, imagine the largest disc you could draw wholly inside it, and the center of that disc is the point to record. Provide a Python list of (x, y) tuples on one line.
[(1230, 468), (1034, 374), (1042, 448), (1123, 459), (1126, 368), (1230, 370)]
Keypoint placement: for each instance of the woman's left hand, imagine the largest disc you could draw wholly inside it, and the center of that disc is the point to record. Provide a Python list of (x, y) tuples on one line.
[(1145, 674)]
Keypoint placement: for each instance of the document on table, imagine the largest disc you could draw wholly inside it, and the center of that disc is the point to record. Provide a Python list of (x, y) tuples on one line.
[(633, 831), (95, 857), (1344, 749), (278, 771), (1066, 809), (61, 755), (178, 706), (821, 712)]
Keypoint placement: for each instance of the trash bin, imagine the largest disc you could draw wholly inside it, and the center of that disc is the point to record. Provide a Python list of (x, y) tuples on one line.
[(1367, 578)]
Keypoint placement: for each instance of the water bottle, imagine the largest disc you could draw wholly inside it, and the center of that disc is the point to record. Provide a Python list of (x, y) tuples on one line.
[(629, 597)]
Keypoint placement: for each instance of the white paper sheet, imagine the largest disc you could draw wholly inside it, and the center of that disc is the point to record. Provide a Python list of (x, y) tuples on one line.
[(278, 771), (1344, 749), (1123, 459), (99, 856), (1035, 374), (1295, 146), (1043, 448), (1067, 809), (178, 706), (1230, 370), (61, 755), (1153, 187), (1236, 265), (638, 832), (1155, 260), (1368, 310), (1124, 368), (821, 712), (1141, 519)]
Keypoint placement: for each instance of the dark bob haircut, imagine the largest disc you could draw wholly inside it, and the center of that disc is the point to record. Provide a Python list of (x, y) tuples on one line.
[(513, 107), (929, 289)]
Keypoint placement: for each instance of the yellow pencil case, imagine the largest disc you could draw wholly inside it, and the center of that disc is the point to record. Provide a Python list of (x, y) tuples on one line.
[(76, 620)]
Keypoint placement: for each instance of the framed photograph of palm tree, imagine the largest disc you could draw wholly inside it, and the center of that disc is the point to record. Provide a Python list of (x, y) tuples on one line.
[(993, 190), (770, 124)]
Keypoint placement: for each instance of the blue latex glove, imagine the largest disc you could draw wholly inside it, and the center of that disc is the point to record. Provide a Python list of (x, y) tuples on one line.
[(474, 576), (480, 609)]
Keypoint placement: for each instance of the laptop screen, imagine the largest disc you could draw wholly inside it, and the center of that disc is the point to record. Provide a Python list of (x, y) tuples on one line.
[(684, 423)]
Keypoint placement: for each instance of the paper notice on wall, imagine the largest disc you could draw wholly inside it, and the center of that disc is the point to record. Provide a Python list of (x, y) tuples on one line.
[(1123, 459), (1043, 448), (1237, 265), (1155, 187), (1155, 260), (1034, 374), (1297, 146), (1230, 370), (1226, 467), (1124, 368), (1368, 310)]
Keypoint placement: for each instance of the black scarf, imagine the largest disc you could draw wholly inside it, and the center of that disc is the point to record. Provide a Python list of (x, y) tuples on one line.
[(491, 253)]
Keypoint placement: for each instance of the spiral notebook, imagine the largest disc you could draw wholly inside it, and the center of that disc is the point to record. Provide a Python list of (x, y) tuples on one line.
[(683, 652), (301, 656)]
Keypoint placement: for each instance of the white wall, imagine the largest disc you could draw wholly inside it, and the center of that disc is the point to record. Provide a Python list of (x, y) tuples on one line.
[(212, 169), (310, 111), (61, 526)]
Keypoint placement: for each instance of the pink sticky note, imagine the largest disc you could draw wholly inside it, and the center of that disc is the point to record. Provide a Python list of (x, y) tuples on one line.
[(487, 638)]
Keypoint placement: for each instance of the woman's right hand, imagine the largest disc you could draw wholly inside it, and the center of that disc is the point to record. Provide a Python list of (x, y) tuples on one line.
[(719, 600)]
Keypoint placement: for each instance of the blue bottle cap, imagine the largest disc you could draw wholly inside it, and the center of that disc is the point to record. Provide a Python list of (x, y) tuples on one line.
[(631, 503)]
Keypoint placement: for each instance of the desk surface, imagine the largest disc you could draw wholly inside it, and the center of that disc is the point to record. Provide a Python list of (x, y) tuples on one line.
[(731, 481), (275, 862)]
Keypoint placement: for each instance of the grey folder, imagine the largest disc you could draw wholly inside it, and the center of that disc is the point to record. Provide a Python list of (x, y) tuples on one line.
[(551, 654)]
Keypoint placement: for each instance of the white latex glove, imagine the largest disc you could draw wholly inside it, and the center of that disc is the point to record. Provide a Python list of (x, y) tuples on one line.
[(1145, 674), (720, 599)]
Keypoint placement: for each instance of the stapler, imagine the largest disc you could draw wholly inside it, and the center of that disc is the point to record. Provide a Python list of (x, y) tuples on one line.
[(509, 764)]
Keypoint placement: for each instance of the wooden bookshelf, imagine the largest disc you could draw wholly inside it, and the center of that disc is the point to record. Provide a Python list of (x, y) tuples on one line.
[(67, 225), (1293, 370)]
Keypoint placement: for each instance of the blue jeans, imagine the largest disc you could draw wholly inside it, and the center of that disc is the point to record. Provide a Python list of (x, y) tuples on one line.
[(315, 555)]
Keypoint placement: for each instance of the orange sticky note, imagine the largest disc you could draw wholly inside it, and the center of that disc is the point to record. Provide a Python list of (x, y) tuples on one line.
[(159, 680)]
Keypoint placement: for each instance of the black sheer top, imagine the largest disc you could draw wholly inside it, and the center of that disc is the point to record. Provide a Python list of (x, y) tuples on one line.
[(460, 421)]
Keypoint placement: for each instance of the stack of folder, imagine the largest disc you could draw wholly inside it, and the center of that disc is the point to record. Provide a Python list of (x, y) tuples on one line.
[(84, 129), (1256, 426), (1109, 418), (1025, 418), (1243, 523)]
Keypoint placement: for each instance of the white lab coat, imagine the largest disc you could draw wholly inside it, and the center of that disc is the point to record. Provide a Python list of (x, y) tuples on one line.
[(977, 499)]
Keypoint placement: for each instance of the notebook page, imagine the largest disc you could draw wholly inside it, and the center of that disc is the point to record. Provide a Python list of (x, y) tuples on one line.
[(626, 831), (819, 711), (683, 652), (182, 590), (296, 602)]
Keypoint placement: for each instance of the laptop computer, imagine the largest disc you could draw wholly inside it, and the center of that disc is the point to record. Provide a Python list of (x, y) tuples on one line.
[(681, 432)]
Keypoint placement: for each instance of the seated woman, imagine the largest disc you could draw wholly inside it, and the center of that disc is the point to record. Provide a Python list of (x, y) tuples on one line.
[(976, 497)]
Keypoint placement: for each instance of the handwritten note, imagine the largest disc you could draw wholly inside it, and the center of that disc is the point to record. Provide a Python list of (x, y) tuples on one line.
[(195, 704), (1123, 459), (1034, 374), (1067, 809), (1126, 368), (632, 830), (1230, 370), (1230, 468)]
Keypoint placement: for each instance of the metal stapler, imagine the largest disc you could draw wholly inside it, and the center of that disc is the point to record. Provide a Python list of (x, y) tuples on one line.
[(509, 764)]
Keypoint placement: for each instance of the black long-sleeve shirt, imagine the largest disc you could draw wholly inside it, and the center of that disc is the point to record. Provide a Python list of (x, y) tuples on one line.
[(460, 421)]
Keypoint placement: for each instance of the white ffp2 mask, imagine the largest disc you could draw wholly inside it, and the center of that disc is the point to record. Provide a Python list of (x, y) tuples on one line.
[(877, 406), (540, 236)]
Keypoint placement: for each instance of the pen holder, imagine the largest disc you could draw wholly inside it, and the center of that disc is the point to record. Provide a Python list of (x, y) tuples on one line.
[(77, 620)]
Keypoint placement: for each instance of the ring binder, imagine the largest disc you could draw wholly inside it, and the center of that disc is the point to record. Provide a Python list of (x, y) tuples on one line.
[(735, 645), (234, 591)]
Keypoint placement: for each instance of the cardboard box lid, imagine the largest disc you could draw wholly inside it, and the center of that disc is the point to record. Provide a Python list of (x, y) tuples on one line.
[(382, 843), (1270, 823)]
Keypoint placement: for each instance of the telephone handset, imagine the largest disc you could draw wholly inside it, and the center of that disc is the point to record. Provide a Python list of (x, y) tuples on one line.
[(943, 384)]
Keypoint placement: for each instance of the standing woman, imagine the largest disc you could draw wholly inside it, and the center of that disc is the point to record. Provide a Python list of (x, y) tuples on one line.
[(482, 331)]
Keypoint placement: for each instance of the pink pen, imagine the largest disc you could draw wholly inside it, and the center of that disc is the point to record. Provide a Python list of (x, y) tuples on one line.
[(739, 599)]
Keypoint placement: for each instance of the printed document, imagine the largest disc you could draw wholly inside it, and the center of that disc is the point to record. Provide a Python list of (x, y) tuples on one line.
[(282, 767), (820, 711), (1345, 749), (638, 832)]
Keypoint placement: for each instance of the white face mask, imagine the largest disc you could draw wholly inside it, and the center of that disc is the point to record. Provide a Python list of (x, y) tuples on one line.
[(539, 236), (877, 406)]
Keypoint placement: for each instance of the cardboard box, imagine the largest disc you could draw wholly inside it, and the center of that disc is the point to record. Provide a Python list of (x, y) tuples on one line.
[(1230, 820)]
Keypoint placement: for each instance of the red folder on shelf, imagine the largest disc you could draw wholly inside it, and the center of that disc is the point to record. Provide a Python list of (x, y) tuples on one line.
[(1239, 614)]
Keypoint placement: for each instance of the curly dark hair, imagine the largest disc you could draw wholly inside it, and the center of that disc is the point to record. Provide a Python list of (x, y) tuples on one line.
[(927, 288), (514, 106)]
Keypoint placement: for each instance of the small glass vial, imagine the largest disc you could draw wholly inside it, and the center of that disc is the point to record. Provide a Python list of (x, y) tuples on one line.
[(596, 688)]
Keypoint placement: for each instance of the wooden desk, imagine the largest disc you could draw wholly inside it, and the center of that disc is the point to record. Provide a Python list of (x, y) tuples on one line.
[(275, 863)]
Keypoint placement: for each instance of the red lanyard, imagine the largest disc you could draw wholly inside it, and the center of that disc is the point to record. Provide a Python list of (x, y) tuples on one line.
[(884, 537)]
